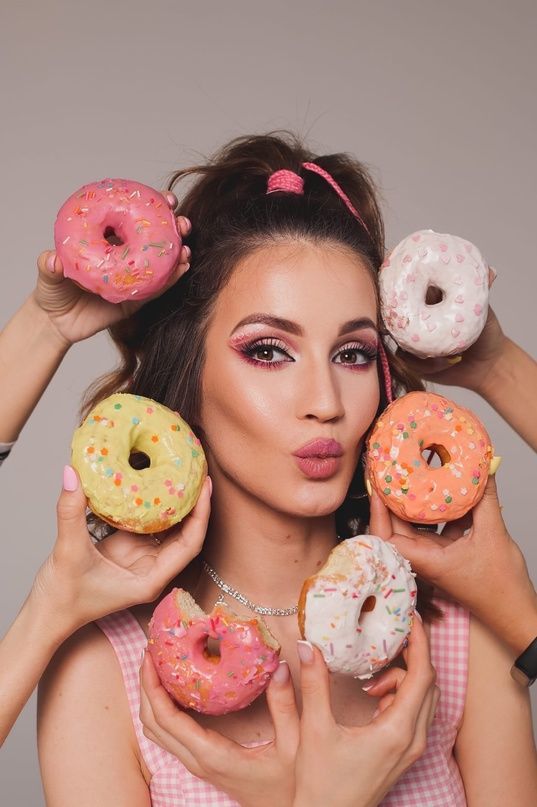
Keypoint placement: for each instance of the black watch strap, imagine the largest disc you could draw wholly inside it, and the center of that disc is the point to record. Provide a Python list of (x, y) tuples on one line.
[(524, 670)]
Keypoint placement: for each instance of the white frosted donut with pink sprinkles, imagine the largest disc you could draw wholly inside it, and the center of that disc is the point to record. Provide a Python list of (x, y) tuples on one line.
[(455, 270), (358, 608)]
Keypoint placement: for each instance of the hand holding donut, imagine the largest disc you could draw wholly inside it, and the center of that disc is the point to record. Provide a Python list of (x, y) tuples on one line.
[(77, 314), (483, 569), (257, 776), (79, 582), (355, 766)]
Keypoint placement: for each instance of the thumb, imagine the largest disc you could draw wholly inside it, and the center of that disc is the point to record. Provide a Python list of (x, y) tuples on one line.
[(380, 522), (71, 508), (50, 268), (487, 514)]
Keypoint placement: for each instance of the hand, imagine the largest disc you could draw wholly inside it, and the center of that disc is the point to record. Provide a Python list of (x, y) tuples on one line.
[(75, 313), (355, 766), (79, 583), (483, 569), (260, 776)]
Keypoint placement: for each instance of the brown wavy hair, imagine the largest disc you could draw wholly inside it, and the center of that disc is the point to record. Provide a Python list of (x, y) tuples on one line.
[(231, 216)]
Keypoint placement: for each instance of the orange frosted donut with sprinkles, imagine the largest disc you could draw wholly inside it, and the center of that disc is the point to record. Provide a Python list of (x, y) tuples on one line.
[(125, 429), (412, 430)]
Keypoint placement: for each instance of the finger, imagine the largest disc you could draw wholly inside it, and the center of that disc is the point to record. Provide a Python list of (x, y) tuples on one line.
[(71, 510), (425, 367), (428, 557), (171, 200), (50, 267), (387, 682), (149, 698), (184, 542), (184, 225), (383, 704), (487, 515), (186, 252), (420, 675), (493, 274), (203, 746), (456, 529), (380, 521), (315, 688), (283, 711)]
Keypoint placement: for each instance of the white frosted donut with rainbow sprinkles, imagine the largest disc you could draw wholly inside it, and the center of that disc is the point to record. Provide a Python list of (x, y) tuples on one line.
[(358, 608), (149, 499), (452, 266), (117, 238)]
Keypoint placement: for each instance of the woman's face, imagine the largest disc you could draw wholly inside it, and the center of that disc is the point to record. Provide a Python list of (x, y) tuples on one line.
[(290, 367)]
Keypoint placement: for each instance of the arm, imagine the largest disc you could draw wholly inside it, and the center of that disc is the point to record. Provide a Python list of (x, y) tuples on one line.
[(494, 747), (78, 583), (88, 751), (56, 314)]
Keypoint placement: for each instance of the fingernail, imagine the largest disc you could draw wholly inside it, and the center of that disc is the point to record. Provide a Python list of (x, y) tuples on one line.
[(494, 465), (70, 479), (171, 199), (51, 260), (142, 656), (368, 486), (281, 673), (187, 250), (210, 486), (419, 616), (375, 714), (305, 651), (186, 268), (368, 687), (454, 359)]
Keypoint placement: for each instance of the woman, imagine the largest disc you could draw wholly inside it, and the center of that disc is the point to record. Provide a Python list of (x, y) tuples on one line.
[(267, 344)]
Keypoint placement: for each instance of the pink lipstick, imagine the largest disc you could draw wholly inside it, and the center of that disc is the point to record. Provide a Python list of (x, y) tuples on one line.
[(319, 459)]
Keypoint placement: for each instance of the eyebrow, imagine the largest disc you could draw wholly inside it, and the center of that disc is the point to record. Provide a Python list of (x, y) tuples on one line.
[(294, 328)]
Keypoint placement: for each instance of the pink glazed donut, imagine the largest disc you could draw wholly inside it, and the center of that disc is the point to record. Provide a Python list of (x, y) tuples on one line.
[(117, 238), (190, 670), (456, 270)]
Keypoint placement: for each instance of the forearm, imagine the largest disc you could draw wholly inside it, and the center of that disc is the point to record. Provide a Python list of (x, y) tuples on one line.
[(30, 353), (511, 389), (25, 652)]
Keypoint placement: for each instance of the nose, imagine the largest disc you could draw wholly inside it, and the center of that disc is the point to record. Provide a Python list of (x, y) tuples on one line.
[(318, 393)]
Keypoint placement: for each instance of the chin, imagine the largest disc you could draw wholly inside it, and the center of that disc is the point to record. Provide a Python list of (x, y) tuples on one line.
[(320, 500)]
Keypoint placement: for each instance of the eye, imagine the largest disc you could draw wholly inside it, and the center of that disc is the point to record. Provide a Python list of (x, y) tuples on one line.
[(356, 355), (266, 351)]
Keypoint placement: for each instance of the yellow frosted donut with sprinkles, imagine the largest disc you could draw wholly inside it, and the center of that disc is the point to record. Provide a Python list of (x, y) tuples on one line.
[(143, 500), (409, 432)]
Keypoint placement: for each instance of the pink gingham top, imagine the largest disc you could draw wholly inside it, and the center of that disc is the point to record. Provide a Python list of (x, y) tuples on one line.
[(434, 780)]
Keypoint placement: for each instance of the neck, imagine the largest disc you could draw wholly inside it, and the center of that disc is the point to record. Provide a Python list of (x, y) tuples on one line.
[(263, 553)]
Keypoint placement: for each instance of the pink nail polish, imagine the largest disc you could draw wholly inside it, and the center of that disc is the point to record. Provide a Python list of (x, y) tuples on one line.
[(368, 687), (51, 260), (70, 479), (210, 486), (305, 651), (281, 673)]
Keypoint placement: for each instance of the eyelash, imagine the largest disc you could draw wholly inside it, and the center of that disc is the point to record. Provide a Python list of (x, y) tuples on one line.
[(251, 348)]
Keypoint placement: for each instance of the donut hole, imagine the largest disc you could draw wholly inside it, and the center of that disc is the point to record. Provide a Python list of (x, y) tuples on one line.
[(367, 607), (139, 460), (433, 295), (212, 650), (435, 455), (112, 237)]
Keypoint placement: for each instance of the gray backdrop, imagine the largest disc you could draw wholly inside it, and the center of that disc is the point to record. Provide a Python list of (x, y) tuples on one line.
[(439, 98)]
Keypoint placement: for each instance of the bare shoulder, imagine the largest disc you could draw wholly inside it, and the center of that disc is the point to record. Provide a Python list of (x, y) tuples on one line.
[(495, 749), (87, 745)]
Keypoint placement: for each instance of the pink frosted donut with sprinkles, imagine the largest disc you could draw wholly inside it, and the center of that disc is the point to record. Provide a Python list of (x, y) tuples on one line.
[(118, 238), (434, 292), (140, 464), (358, 608), (211, 678), (407, 436)]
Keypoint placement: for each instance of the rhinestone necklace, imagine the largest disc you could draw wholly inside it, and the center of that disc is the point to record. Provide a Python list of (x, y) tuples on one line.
[(232, 592)]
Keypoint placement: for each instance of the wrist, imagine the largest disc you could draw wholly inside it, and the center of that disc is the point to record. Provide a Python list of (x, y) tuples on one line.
[(45, 327), (497, 372), (50, 618)]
